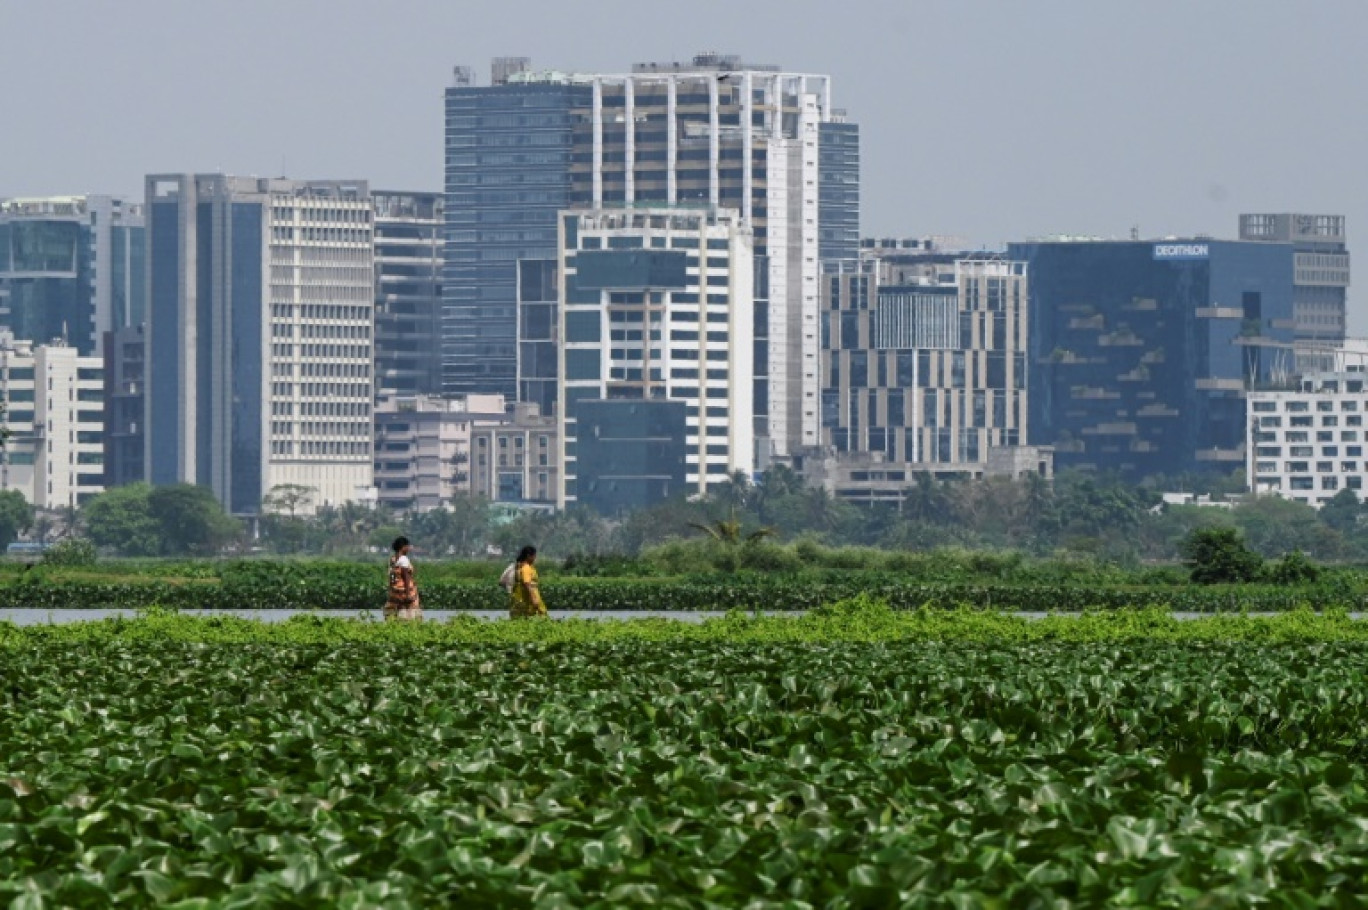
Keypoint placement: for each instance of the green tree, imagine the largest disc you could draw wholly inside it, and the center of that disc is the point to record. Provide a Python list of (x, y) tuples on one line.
[(120, 519), (729, 531), (1342, 511), (1294, 569), (190, 520), (460, 528), (1273, 526), (288, 498), (16, 515), (1220, 556)]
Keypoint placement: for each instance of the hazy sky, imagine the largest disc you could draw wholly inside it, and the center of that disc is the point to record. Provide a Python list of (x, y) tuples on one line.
[(992, 121)]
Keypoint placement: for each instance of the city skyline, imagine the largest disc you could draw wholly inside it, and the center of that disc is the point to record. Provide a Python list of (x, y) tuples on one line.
[(989, 121)]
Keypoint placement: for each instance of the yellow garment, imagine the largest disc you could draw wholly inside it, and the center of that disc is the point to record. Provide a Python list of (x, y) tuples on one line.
[(520, 602)]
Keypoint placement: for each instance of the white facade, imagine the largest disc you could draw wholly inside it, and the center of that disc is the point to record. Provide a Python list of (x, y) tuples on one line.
[(259, 368), (54, 410), (691, 342), (423, 447), (755, 149), (1307, 444)]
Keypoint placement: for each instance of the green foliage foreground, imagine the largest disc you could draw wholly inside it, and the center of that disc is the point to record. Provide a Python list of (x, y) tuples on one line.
[(357, 764)]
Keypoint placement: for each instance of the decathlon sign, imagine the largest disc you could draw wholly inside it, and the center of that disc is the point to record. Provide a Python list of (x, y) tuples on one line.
[(1180, 251)]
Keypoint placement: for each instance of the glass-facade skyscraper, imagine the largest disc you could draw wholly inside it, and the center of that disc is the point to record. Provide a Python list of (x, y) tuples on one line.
[(507, 175), (838, 190), (408, 292), (71, 267), (1141, 353), (714, 131)]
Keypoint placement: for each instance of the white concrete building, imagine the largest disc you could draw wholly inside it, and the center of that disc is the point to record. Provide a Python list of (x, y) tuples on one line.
[(657, 304), (54, 410), (1307, 443), (423, 447), (259, 365)]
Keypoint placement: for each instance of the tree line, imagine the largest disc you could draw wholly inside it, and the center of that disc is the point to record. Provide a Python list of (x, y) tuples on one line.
[(1074, 514)]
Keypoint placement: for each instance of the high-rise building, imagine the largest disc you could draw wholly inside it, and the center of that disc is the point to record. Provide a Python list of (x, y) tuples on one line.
[(657, 307), (929, 372), (715, 131), (71, 267), (1306, 442), (838, 190), (125, 395), (507, 175), (1321, 283), (538, 332), (260, 319), (54, 410), (408, 292), (1141, 352)]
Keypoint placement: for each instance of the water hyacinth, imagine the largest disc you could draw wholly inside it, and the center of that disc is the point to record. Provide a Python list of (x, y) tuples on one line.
[(853, 757)]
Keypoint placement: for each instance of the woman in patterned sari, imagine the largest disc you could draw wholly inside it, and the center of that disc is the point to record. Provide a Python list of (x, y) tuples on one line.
[(525, 599), (403, 600)]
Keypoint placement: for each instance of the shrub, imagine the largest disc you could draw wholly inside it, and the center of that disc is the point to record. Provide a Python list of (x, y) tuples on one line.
[(1294, 569), (73, 551), (1219, 556)]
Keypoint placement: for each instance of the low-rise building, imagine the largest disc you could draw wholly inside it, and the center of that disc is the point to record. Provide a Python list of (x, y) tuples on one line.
[(429, 449), (422, 447), (515, 461), (54, 411)]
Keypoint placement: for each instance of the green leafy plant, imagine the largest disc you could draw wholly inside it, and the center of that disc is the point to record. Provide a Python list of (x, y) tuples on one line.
[(1220, 556)]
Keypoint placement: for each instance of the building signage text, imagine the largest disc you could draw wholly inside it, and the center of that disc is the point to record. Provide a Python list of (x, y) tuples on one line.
[(1180, 251)]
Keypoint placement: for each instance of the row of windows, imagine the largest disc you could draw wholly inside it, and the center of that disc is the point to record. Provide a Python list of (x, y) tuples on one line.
[(320, 428), (339, 370), (327, 312), (1308, 420), (289, 447), (353, 351), (1323, 406), (326, 214), (328, 330), (1354, 482), (320, 389), (321, 408), (1303, 467)]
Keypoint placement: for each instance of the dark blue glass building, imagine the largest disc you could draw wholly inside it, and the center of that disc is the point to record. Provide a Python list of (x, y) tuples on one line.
[(507, 175), (1140, 353)]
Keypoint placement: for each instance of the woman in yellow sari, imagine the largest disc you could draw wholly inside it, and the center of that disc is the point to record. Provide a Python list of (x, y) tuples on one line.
[(525, 599)]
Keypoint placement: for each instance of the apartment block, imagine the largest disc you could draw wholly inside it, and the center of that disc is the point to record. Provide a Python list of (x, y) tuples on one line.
[(924, 370), (423, 446), (715, 131), (125, 397), (54, 411), (1306, 442), (516, 462)]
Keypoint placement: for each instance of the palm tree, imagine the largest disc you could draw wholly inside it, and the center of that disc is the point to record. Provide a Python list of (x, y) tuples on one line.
[(728, 530)]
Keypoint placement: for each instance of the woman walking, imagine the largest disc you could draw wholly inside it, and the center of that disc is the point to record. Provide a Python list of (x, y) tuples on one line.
[(403, 600), (525, 599)]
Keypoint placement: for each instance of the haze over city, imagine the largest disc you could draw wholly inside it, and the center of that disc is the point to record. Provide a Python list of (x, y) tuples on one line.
[(990, 121)]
